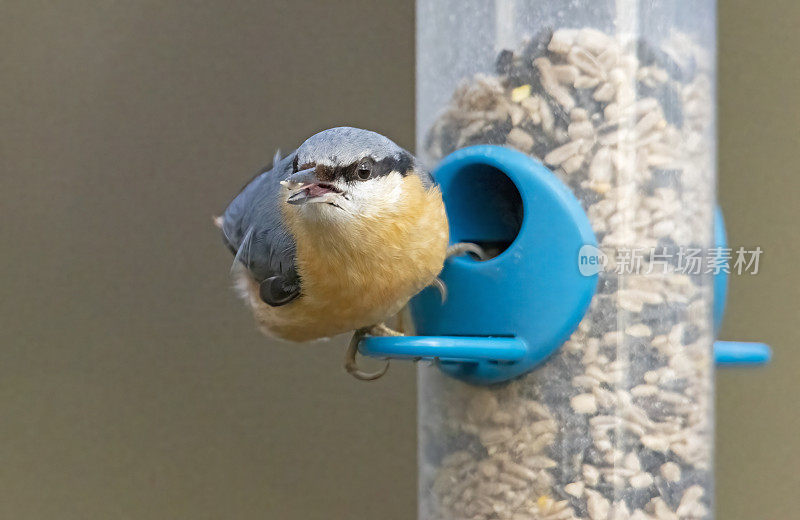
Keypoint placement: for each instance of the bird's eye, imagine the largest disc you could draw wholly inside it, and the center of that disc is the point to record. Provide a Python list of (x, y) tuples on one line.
[(364, 170)]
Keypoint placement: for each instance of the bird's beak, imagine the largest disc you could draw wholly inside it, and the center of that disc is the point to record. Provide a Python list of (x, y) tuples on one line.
[(307, 188), (303, 177)]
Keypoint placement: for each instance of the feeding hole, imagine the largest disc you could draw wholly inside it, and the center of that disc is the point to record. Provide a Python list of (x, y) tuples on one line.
[(484, 207)]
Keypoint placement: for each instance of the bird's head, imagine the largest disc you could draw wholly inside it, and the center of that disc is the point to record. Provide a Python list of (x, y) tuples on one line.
[(345, 172)]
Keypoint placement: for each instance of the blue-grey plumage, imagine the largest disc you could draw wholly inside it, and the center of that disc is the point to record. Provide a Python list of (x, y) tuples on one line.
[(254, 229), (336, 236)]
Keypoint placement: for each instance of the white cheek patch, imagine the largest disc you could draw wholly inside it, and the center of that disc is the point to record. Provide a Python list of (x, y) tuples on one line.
[(375, 196)]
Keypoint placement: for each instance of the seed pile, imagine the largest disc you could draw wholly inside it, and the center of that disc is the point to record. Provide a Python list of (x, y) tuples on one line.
[(617, 424)]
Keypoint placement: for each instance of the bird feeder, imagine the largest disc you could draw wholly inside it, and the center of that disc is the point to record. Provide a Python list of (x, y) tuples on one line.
[(571, 374)]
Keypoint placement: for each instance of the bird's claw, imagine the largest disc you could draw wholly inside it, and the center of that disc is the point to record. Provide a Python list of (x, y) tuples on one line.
[(462, 248), (458, 249), (350, 363), (441, 287)]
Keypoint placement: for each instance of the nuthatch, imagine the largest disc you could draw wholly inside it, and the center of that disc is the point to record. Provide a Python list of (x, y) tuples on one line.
[(337, 237)]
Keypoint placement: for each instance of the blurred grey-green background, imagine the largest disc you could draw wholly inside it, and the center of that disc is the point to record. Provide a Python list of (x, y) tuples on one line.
[(133, 384)]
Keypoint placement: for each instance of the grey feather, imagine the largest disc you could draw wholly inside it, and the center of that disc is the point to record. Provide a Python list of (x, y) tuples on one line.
[(253, 227), (344, 145), (244, 244)]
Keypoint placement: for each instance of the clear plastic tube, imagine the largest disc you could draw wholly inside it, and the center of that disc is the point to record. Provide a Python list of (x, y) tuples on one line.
[(617, 98)]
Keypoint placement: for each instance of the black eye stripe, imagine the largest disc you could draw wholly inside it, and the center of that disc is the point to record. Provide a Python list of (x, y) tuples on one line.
[(326, 173), (402, 164)]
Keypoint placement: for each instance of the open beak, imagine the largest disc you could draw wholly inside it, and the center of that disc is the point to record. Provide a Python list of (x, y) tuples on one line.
[(307, 188)]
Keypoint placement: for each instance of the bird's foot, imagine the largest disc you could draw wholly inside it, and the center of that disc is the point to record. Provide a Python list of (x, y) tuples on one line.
[(382, 330), (350, 363), (463, 248)]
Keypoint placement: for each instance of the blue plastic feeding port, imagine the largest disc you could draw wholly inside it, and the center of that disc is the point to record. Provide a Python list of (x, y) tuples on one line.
[(506, 315), (503, 316)]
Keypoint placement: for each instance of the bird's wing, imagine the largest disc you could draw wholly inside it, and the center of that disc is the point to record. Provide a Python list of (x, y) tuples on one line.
[(253, 229)]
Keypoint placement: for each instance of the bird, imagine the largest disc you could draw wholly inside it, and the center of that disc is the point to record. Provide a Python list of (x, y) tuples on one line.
[(337, 236)]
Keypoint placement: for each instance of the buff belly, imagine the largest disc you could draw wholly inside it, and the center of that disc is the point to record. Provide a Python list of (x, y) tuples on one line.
[(359, 274)]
